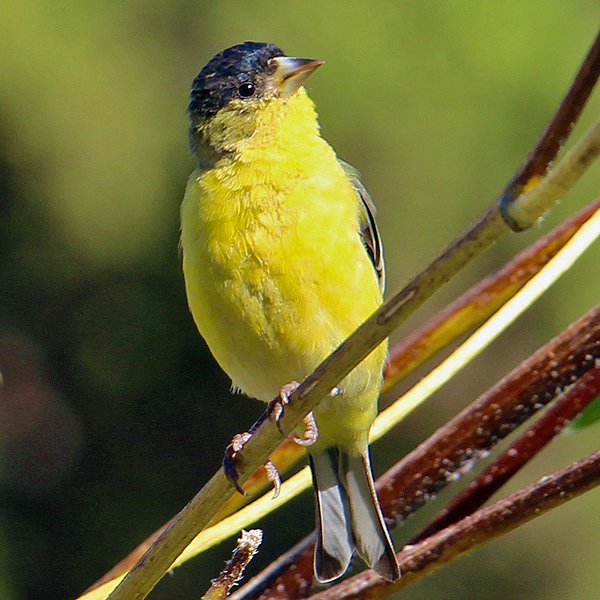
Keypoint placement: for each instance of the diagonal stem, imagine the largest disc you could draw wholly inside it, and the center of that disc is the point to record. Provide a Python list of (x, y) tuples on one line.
[(473, 531)]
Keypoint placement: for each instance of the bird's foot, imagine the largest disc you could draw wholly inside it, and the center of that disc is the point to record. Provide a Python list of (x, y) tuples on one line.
[(311, 432), (273, 476), (229, 465), (230, 458), (276, 409)]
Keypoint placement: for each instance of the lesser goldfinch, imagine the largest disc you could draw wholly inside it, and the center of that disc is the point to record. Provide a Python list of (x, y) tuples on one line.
[(282, 261)]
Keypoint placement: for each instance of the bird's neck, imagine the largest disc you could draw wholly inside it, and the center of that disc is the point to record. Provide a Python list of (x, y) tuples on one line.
[(260, 138), (283, 125), (258, 175)]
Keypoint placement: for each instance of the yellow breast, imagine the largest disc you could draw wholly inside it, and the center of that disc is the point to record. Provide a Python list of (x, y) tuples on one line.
[(275, 270)]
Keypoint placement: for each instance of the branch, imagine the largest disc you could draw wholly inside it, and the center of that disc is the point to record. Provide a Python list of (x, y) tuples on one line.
[(246, 548), (481, 527), (572, 402), (452, 322), (525, 390), (456, 446)]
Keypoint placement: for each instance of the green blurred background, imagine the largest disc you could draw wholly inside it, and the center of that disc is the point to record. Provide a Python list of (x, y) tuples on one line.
[(113, 413)]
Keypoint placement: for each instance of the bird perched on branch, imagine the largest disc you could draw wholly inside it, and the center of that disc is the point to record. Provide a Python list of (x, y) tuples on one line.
[(282, 261)]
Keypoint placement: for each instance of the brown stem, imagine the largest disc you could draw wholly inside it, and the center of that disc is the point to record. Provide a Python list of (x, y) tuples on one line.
[(457, 445), (558, 128), (473, 531), (528, 388), (549, 425)]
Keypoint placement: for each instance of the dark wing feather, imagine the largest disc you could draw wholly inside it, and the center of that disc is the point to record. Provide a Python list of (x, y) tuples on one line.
[(368, 227)]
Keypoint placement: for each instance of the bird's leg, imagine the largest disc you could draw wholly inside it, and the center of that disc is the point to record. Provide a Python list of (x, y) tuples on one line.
[(275, 411)]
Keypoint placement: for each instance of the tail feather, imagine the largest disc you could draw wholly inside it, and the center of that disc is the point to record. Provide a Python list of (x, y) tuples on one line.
[(334, 546), (348, 517), (371, 535)]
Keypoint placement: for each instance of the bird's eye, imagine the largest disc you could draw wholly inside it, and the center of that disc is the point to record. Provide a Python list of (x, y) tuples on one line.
[(246, 90)]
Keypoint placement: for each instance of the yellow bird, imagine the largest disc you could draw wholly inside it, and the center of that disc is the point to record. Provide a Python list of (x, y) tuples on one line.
[(282, 261)]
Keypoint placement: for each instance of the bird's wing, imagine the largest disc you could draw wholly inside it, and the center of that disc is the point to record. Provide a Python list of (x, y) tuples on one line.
[(368, 226)]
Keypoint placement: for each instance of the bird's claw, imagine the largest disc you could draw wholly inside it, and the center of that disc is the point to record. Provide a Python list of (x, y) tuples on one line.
[(229, 465), (276, 409), (273, 476), (229, 460), (311, 432)]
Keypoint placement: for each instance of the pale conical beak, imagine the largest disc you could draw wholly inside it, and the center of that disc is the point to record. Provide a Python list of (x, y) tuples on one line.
[(290, 73)]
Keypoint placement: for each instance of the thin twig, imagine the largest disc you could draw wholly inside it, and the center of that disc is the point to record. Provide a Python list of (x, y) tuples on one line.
[(560, 125), (525, 210), (246, 548)]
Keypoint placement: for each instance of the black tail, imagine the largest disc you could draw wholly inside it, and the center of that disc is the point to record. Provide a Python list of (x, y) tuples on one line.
[(348, 517)]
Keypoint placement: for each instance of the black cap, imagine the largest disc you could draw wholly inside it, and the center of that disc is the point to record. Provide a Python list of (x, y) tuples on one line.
[(219, 81)]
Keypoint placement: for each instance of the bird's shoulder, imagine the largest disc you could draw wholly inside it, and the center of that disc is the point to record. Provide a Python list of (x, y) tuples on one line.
[(368, 225)]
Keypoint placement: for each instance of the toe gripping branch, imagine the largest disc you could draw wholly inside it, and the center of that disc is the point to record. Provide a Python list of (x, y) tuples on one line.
[(275, 411)]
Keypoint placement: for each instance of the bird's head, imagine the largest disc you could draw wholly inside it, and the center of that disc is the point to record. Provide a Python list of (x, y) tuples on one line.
[(238, 87)]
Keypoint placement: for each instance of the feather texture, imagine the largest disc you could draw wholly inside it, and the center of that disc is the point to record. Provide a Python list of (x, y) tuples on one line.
[(348, 516)]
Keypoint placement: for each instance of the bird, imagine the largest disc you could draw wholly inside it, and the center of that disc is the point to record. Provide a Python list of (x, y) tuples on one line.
[(282, 261)]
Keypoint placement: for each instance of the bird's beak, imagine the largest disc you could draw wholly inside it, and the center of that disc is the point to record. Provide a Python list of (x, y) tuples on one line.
[(290, 73)]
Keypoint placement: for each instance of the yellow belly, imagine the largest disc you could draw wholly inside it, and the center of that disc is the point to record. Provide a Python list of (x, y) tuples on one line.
[(276, 277)]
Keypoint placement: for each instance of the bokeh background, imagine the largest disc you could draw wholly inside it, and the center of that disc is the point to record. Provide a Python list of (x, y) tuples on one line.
[(113, 413)]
